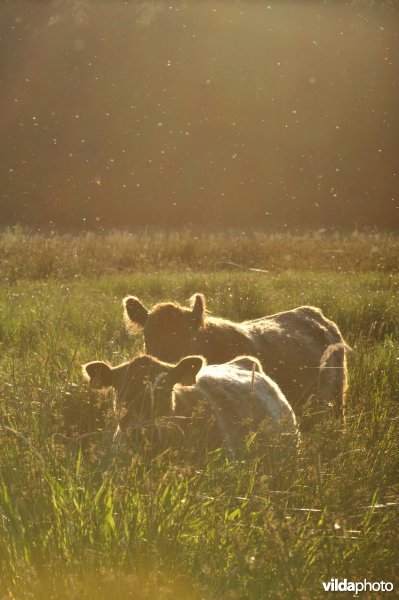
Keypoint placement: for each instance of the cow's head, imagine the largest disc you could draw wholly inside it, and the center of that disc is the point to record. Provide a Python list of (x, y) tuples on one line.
[(144, 385), (169, 329)]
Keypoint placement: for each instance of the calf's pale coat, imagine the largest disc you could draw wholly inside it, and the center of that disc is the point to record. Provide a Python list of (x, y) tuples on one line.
[(233, 394)]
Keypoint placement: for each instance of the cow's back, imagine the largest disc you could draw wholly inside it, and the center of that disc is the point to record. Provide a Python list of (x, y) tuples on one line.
[(293, 346)]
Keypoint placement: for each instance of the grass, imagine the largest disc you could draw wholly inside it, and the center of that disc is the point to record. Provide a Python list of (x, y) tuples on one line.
[(83, 515), (25, 255)]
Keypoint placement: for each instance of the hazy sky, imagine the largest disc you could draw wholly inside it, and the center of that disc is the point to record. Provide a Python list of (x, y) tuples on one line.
[(268, 114)]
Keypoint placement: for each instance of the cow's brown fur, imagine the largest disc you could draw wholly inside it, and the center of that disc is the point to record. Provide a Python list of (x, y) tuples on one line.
[(290, 345)]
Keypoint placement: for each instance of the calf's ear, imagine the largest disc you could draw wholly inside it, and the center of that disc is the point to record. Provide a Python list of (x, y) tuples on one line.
[(186, 370), (198, 310), (99, 374), (135, 314)]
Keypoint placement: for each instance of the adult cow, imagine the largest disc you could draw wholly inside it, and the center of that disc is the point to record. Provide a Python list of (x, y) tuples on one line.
[(300, 349)]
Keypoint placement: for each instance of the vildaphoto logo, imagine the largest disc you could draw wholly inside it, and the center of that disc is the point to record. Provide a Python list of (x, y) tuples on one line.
[(343, 585)]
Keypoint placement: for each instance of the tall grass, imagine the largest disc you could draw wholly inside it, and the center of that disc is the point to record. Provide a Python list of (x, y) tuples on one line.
[(84, 514), (38, 256)]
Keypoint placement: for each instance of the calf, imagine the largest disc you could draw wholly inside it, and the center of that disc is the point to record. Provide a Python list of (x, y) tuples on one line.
[(232, 395), (302, 350)]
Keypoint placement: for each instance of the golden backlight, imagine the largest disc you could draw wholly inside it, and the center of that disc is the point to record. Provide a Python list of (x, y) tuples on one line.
[(265, 114)]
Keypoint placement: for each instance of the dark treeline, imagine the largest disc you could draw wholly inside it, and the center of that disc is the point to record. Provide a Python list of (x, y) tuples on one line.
[(266, 114)]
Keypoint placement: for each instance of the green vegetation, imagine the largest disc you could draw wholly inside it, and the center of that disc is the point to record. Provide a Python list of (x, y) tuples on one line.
[(24, 255), (84, 515)]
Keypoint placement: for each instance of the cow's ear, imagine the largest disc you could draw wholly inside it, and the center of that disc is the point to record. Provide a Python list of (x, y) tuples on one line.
[(198, 310), (99, 374), (186, 370), (135, 314)]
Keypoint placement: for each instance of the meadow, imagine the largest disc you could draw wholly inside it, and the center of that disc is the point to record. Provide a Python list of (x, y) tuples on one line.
[(87, 515)]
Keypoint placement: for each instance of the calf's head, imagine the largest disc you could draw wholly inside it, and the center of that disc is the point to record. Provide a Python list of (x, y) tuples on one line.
[(169, 329), (143, 385)]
